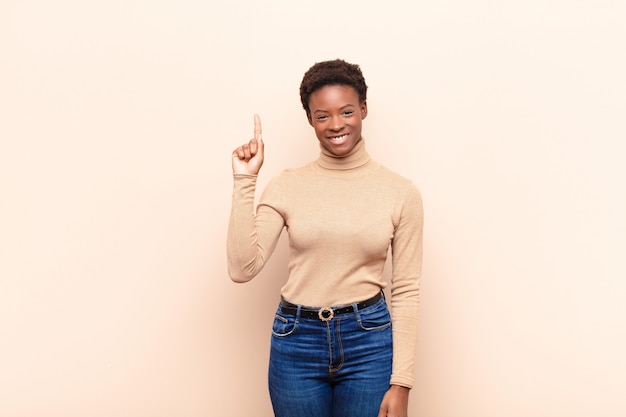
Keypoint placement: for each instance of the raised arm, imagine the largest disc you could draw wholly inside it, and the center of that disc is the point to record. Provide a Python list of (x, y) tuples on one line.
[(252, 237)]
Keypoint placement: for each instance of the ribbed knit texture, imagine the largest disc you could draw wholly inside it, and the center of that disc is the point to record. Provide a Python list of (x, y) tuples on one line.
[(342, 215)]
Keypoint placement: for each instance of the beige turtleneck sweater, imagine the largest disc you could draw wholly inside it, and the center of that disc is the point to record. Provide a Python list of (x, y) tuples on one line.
[(342, 214)]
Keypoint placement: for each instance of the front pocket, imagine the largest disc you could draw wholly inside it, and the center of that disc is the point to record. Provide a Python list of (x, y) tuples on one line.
[(284, 326), (375, 319)]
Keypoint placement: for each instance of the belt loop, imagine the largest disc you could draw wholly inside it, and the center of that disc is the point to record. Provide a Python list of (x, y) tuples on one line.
[(298, 313), (357, 312)]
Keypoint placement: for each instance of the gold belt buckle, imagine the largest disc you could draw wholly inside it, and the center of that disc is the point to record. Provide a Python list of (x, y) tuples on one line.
[(325, 313)]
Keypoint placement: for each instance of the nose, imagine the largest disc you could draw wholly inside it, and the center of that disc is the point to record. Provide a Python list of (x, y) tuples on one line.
[(336, 123)]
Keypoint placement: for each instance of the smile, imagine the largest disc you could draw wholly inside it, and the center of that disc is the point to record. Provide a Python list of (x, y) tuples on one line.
[(339, 138)]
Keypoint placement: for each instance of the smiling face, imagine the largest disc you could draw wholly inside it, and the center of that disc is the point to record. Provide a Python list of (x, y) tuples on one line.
[(336, 113)]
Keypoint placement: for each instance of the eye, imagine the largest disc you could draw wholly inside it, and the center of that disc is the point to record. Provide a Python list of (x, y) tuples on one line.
[(321, 117), (348, 112)]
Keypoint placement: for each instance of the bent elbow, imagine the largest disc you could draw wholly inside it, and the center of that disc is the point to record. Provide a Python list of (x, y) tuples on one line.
[(240, 275), (239, 279), (241, 272)]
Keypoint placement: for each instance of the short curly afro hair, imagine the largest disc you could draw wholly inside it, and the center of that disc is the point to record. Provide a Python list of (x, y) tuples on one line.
[(335, 72)]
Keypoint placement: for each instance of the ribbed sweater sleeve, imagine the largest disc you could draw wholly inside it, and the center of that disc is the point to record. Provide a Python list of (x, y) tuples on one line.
[(406, 250), (251, 238)]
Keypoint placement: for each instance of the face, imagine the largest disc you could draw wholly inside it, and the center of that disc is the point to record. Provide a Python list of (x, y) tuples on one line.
[(336, 114)]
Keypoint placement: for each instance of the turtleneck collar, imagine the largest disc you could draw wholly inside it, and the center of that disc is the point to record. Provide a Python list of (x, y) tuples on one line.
[(358, 157)]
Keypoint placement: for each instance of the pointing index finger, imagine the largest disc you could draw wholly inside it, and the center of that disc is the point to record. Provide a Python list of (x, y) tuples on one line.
[(257, 127)]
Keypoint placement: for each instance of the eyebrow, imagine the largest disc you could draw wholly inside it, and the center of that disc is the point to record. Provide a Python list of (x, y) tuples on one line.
[(340, 108)]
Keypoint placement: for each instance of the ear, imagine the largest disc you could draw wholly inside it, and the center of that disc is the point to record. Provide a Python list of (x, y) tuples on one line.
[(363, 110)]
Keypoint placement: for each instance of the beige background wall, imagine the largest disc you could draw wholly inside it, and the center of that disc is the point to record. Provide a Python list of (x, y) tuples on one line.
[(117, 120)]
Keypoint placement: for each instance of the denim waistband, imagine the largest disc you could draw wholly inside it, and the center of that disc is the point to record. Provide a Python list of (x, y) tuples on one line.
[(326, 313)]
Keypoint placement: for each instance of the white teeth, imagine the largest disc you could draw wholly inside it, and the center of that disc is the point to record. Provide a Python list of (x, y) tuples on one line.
[(338, 138)]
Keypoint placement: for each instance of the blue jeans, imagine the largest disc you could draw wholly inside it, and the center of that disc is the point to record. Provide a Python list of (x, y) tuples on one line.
[(335, 368)]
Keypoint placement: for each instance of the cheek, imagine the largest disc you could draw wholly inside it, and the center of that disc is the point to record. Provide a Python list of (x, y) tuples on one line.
[(318, 131)]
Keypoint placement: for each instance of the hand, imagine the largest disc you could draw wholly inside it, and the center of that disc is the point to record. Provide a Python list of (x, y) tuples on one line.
[(248, 158), (395, 402)]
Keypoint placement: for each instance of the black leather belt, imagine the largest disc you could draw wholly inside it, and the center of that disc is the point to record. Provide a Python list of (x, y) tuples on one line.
[(325, 313)]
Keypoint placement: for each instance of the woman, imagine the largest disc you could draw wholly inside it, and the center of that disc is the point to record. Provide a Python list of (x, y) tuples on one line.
[(333, 350)]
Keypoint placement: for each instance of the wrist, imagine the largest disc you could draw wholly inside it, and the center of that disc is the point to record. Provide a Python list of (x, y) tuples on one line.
[(400, 389)]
